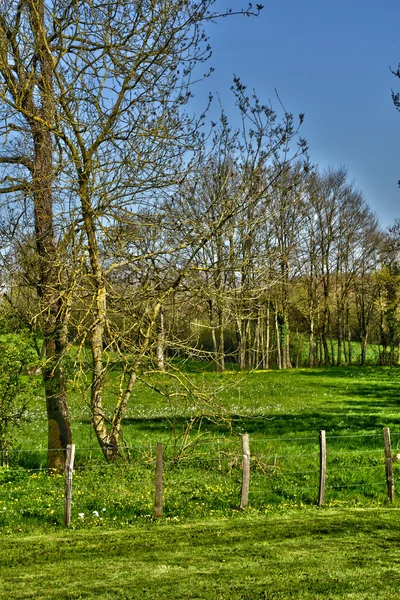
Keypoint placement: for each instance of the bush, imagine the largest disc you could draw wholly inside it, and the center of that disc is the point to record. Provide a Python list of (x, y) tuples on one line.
[(17, 359)]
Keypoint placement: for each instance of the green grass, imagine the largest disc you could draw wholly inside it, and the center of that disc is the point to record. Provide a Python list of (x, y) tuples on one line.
[(282, 546), (273, 403), (282, 411), (301, 555)]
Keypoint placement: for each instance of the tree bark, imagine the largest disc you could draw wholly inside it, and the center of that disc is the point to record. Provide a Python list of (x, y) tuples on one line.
[(59, 431)]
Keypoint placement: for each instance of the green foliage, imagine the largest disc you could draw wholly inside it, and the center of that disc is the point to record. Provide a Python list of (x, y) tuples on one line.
[(17, 390), (283, 327)]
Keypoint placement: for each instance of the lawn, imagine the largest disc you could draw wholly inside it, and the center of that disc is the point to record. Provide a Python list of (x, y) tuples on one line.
[(282, 546), (269, 403), (316, 554)]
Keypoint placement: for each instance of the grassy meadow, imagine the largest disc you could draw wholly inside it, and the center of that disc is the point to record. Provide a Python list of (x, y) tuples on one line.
[(322, 555), (281, 546)]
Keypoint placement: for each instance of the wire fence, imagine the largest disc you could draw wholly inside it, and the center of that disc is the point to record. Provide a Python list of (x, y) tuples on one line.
[(210, 476)]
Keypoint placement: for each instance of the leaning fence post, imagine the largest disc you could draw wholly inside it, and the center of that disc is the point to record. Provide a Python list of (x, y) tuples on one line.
[(158, 504), (246, 471), (322, 467), (388, 464), (69, 469)]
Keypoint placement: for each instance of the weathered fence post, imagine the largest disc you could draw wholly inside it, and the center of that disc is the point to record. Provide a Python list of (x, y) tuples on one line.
[(69, 469), (388, 464), (322, 467), (246, 471), (158, 504)]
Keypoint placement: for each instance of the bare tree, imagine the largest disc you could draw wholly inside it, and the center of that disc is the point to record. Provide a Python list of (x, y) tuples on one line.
[(27, 104), (92, 97), (230, 207)]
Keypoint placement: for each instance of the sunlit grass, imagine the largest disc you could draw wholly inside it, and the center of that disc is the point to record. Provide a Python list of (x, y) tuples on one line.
[(302, 555), (281, 546), (283, 413)]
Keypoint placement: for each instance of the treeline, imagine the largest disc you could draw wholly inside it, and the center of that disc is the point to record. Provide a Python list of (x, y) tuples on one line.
[(300, 276), (275, 267)]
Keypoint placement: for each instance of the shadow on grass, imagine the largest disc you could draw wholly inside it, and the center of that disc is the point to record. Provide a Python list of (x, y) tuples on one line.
[(356, 371), (356, 420), (363, 405)]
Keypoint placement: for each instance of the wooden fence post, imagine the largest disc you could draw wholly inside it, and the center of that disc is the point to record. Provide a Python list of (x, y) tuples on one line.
[(322, 467), (388, 464), (246, 471), (158, 504), (69, 469)]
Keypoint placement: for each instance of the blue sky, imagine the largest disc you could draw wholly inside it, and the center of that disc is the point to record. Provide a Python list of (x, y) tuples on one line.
[(331, 61)]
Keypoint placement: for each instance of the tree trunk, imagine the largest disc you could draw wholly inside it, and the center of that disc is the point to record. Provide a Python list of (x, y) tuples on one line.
[(242, 344), (267, 341), (160, 349), (108, 441), (248, 350), (311, 356), (278, 341), (220, 348), (363, 348), (217, 341), (59, 431)]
